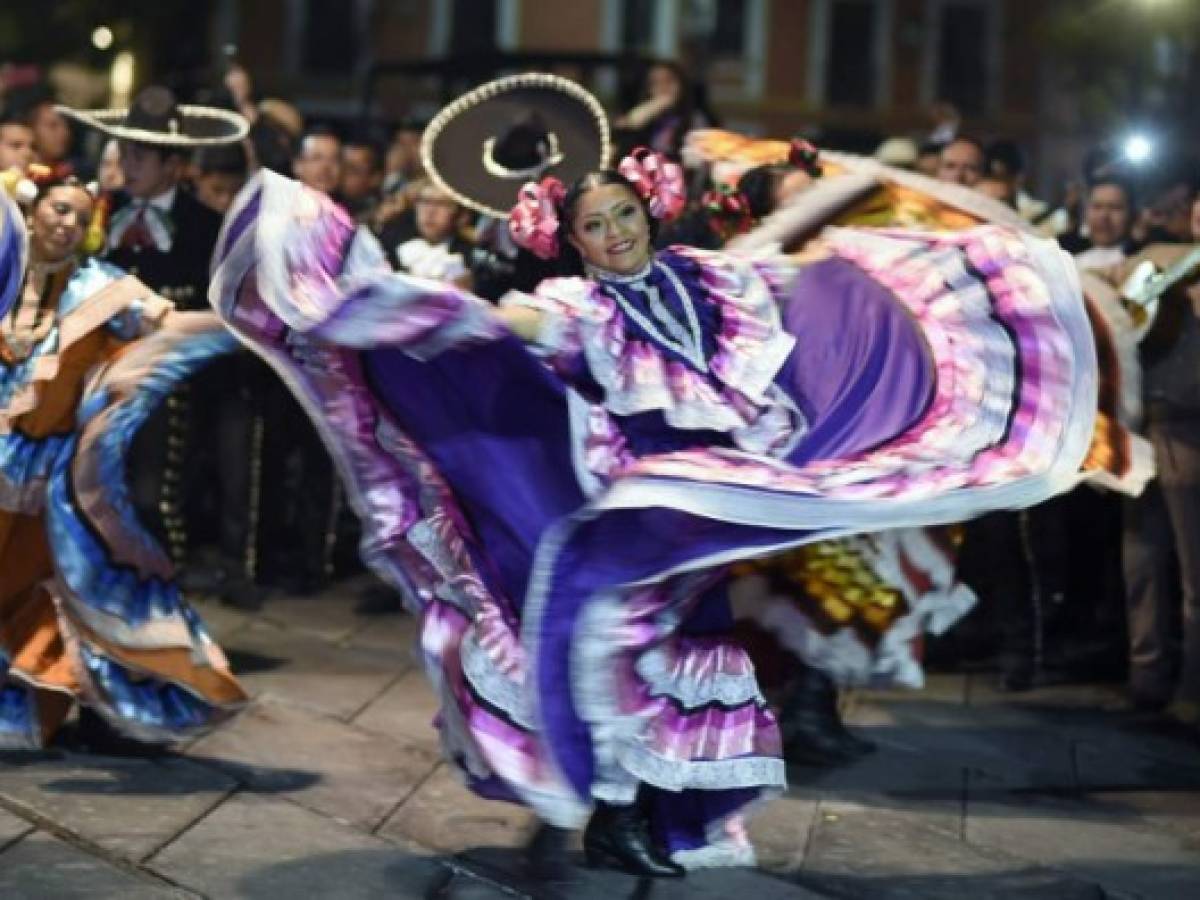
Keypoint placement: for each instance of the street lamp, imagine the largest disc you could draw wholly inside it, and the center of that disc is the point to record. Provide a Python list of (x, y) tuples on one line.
[(1138, 149)]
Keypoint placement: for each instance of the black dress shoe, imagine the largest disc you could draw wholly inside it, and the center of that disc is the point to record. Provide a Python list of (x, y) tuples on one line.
[(619, 837), (93, 734)]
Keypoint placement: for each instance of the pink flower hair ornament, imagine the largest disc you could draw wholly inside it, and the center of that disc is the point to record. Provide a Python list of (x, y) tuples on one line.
[(533, 222), (657, 180)]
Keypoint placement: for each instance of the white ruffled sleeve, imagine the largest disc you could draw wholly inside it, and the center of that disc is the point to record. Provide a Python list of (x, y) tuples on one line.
[(752, 344), (573, 311)]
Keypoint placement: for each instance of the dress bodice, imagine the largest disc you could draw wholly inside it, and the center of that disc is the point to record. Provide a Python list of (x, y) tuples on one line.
[(94, 310), (681, 354), (666, 306)]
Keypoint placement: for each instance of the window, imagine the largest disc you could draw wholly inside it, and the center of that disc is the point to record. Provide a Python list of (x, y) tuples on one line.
[(729, 34), (850, 72), (474, 27), (638, 26), (330, 40), (962, 54)]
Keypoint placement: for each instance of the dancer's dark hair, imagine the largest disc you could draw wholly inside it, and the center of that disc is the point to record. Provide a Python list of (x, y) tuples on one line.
[(47, 183), (759, 185)]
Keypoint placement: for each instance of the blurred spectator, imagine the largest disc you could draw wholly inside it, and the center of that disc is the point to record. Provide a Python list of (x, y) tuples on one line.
[(218, 173), (109, 175), (402, 163), (51, 132), (361, 176), (900, 152), (1074, 543), (300, 495), (668, 112), (998, 189), (285, 118), (1006, 162), (241, 92), (439, 251), (269, 146), (1162, 526), (16, 141), (284, 115), (962, 161), (929, 157), (1107, 221), (1167, 218), (318, 164), (164, 235), (1065, 221), (946, 120)]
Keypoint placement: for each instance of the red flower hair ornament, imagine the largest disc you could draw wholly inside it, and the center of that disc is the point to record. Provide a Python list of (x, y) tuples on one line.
[(728, 211), (805, 157), (657, 180), (533, 222)]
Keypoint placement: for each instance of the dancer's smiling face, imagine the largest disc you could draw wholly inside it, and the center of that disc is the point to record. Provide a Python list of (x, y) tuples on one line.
[(58, 222), (610, 230)]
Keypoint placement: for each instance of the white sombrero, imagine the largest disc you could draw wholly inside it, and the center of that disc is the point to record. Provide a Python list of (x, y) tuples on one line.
[(155, 118)]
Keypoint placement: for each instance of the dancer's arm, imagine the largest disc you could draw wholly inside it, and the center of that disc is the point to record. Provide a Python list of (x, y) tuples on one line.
[(523, 321), (145, 315)]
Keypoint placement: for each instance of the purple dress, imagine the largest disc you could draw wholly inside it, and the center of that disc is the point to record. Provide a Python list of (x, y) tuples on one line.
[(561, 518)]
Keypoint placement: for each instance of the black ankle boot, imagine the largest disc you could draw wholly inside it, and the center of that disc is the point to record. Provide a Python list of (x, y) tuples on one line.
[(815, 733), (855, 745), (619, 837)]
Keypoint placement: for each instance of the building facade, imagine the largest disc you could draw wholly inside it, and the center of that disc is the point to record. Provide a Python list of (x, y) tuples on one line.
[(846, 72)]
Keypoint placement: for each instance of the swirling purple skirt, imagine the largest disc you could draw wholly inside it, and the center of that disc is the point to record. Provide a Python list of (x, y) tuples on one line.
[(579, 643)]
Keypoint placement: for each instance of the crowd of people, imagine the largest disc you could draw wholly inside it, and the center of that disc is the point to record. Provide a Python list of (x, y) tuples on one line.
[(261, 471)]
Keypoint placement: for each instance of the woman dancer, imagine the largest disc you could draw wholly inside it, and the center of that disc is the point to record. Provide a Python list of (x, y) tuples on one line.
[(562, 521), (857, 608), (87, 609)]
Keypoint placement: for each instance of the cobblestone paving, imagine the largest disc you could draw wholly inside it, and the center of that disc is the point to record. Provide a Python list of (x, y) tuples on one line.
[(331, 785)]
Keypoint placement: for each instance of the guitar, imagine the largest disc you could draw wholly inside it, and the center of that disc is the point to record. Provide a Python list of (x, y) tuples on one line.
[(1144, 289)]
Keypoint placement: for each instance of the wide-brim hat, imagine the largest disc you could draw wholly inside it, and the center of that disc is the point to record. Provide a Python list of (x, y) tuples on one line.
[(155, 118), (462, 147)]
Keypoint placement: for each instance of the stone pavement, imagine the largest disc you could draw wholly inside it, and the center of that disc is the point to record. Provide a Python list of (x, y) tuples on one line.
[(330, 785)]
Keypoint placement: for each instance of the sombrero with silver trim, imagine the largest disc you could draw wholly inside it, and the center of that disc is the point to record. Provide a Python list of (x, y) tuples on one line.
[(486, 144), (155, 118)]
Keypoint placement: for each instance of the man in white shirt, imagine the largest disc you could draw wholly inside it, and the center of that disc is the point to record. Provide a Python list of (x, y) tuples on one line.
[(187, 453)]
